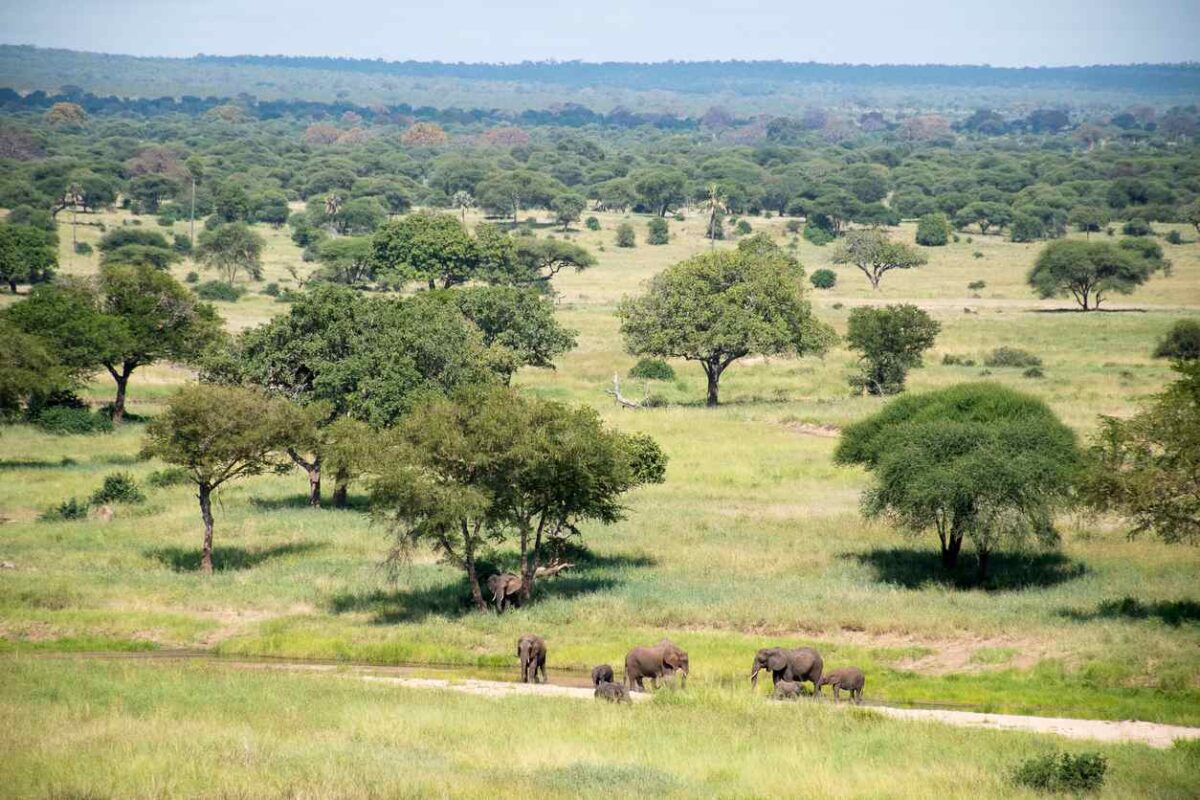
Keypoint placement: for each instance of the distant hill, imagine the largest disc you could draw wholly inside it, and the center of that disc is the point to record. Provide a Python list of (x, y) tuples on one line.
[(674, 87)]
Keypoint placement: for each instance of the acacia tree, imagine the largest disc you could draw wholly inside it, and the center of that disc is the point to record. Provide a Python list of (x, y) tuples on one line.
[(891, 340), (974, 461), (347, 259), (128, 317), (219, 434), (721, 306), (232, 248), (1147, 468), (876, 254), (486, 465), (1088, 270), (568, 208)]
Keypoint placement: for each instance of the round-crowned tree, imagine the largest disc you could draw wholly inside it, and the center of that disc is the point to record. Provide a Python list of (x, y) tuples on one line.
[(976, 462), (933, 230)]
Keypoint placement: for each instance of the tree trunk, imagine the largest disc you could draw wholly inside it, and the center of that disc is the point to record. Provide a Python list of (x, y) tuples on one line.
[(713, 372), (340, 488), (205, 497), (984, 554), (313, 470), (12, 284), (951, 550), (472, 574), (122, 379)]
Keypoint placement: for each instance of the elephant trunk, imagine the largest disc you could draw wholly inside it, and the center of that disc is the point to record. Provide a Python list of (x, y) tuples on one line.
[(754, 677)]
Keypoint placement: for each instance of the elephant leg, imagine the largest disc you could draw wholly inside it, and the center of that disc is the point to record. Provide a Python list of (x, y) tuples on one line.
[(837, 698)]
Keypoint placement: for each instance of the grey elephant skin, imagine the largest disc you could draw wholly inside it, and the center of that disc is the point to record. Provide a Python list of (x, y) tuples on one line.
[(602, 674), (798, 665), (850, 679), (659, 660), (531, 650), (506, 590), (612, 692), (787, 690)]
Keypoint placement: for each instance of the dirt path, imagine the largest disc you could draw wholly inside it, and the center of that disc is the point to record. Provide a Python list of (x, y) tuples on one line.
[(1152, 734)]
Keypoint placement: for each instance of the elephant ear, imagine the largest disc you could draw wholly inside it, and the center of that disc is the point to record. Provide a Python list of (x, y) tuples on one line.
[(776, 661)]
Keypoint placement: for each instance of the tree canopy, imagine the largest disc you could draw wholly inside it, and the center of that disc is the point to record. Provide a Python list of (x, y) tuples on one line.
[(875, 254), (1087, 271), (891, 340)]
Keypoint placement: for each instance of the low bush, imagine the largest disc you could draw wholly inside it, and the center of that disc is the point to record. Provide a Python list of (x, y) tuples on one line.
[(1181, 342), (824, 279), (69, 510), (657, 232), (67, 420), (625, 235), (83, 248), (271, 290), (742, 228), (219, 290), (592, 224), (118, 487), (1063, 772), (975, 286), (192, 277), (952, 360), (654, 369), (653, 401), (792, 226), (171, 476), (817, 235), (1174, 237), (1137, 227), (181, 244), (1034, 372), (1011, 357)]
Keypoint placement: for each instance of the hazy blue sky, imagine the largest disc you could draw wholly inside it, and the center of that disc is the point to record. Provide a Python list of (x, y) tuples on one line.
[(998, 32)]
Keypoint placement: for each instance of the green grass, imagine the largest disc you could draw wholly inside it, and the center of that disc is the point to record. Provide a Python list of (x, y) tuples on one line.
[(755, 538), (151, 730)]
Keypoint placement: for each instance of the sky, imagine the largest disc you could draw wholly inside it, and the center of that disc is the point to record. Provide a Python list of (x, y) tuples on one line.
[(996, 32)]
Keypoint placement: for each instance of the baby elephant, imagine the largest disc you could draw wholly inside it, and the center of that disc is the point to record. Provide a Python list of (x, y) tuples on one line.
[(532, 652), (787, 690), (849, 678), (612, 692), (602, 674)]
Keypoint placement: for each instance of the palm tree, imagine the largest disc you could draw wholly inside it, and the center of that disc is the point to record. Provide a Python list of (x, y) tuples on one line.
[(463, 200), (715, 205), (333, 206)]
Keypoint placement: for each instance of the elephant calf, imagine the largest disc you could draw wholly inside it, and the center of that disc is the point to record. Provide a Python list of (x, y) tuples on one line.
[(602, 674), (612, 692), (787, 690), (849, 678), (532, 652)]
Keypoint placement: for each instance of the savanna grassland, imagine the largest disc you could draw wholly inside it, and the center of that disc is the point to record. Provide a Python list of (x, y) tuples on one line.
[(754, 538)]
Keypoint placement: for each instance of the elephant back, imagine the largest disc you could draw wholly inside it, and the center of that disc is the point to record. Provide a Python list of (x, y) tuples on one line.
[(806, 664)]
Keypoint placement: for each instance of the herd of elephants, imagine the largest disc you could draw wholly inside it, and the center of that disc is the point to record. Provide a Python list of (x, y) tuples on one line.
[(789, 669)]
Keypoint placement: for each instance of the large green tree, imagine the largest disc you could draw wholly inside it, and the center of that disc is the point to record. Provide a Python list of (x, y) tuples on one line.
[(721, 306), (875, 254), (891, 340), (27, 255), (1088, 271), (426, 246), (232, 248), (518, 319), (218, 434), (974, 461), (126, 318)]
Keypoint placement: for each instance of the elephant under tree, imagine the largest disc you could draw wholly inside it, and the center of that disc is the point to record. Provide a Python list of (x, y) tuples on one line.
[(798, 665), (849, 678), (506, 590), (656, 661), (531, 650)]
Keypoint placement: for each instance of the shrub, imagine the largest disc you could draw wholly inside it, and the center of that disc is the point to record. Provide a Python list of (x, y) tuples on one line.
[(824, 279), (975, 286), (69, 510), (171, 476), (977, 254), (1174, 237), (818, 235), (658, 232), (219, 290), (181, 244), (271, 290), (192, 277), (1011, 357), (654, 369), (792, 226), (1181, 342), (592, 224), (83, 248), (952, 360), (678, 216), (838, 306), (119, 487), (1137, 227), (1062, 772), (66, 420), (933, 230), (1034, 372), (743, 228), (625, 235)]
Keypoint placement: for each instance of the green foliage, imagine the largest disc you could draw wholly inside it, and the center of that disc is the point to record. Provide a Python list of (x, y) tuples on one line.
[(83, 249), (625, 235), (818, 235), (657, 232), (1174, 237), (1137, 227), (985, 215), (953, 360), (66, 511), (875, 254), (1087, 271), (742, 228), (891, 340), (1147, 468), (1034, 372), (1088, 219), (347, 259), (232, 248), (721, 306), (823, 279), (1011, 357), (192, 277), (592, 224), (28, 370), (27, 255), (428, 247), (70, 421), (654, 369), (520, 320), (976, 462), (1063, 772), (1180, 342), (164, 478), (567, 208), (976, 286), (529, 261), (933, 230), (118, 487), (219, 291), (181, 244)]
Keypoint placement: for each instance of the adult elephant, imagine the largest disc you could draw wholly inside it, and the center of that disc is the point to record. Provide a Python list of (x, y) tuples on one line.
[(531, 650), (659, 660), (506, 590), (800, 664)]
